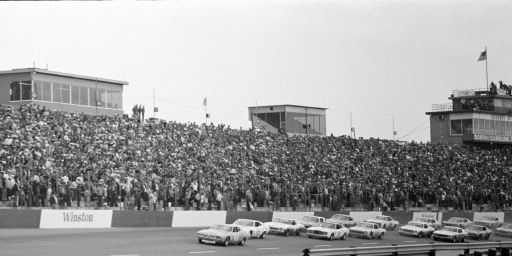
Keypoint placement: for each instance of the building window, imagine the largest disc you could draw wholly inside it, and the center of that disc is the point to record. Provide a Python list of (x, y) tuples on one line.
[(56, 92), (66, 91), (75, 95), (93, 100), (102, 98), (47, 91), (15, 91), (110, 99), (38, 90), (84, 96), (456, 127), (26, 90)]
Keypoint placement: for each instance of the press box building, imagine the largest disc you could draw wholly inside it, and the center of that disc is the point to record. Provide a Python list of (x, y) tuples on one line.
[(62, 91)]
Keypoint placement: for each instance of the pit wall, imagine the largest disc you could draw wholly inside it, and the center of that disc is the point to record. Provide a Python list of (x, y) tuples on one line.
[(19, 218)]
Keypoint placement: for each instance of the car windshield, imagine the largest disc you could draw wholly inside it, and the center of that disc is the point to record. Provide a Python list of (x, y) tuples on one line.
[(310, 219), (328, 225), (382, 218), (490, 218), (455, 220), (246, 223), (222, 227), (340, 217), (415, 224), (365, 225), (451, 229), (475, 228), (284, 221)]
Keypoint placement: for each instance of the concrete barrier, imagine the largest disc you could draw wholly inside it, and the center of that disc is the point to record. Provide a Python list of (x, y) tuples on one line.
[(292, 215), (12, 218), (141, 219), (231, 216), (327, 215), (198, 218), (361, 216), (402, 217), (437, 215)]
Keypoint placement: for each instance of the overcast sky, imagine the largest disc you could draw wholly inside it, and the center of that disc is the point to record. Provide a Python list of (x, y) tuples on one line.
[(376, 59)]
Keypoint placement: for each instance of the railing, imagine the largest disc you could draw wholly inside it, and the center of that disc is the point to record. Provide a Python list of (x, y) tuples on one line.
[(442, 107), (424, 249), (469, 92)]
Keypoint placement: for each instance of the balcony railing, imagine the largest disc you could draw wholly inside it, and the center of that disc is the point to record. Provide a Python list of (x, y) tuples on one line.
[(469, 92), (442, 107)]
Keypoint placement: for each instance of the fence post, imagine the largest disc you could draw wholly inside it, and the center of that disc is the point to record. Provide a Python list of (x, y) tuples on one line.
[(395, 253), (505, 251), (491, 252)]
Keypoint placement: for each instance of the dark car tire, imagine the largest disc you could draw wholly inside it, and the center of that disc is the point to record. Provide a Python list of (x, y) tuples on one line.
[(344, 236), (380, 236), (241, 243), (226, 242), (331, 237), (200, 240), (370, 236), (263, 235)]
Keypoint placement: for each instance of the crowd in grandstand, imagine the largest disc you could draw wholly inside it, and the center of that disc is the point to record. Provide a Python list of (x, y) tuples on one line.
[(51, 159)]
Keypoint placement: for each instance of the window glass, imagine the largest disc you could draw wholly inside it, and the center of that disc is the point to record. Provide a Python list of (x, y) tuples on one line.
[(110, 99), (65, 93), (26, 90), (47, 91), (456, 127), (38, 90), (75, 95), (84, 96), (102, 98), (15, 91), (92, 97), (56, 92), (467, 126)]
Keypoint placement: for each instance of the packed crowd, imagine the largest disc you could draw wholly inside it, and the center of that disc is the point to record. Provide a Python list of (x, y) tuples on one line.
[(50, 158)]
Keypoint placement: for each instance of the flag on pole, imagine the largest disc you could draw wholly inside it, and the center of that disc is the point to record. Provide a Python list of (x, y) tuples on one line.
[(483, 56), (205, 102)]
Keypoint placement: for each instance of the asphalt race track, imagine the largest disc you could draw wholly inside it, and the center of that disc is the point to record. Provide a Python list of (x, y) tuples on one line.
[(167, 241)]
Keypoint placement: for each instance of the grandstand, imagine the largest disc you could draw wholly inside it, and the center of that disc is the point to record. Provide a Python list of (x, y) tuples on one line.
[(481, 116), (62, 91), (58, 159)]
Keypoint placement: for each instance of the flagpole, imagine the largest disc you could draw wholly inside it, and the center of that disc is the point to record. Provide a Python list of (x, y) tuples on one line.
[(486, 72)]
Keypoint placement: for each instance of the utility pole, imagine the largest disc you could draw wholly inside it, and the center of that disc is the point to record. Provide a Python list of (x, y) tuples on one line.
[(352, 128)]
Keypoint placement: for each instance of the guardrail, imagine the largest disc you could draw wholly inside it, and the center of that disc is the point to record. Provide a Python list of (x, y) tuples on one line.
[(423, 249)]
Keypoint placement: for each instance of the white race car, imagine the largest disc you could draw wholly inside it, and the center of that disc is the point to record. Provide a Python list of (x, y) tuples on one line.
[(311, 221), (450, 233), (367, 229), (225, 234), (431, 222), (285, 226), (255, 228), (504, 230), (489, 221), (328, 230), (457, 222), (416, 228), (344, 219), (387, 222)]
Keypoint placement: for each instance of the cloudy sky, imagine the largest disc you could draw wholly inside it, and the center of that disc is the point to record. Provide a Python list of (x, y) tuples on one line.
[(374, 59)]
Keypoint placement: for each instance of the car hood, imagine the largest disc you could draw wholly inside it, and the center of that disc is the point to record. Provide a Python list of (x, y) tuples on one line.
[(212, 232), (445, 232), (411, 228), (321, 229), (277, 225)]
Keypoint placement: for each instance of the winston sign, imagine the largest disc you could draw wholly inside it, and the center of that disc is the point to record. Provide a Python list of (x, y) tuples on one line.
[(76, 219)]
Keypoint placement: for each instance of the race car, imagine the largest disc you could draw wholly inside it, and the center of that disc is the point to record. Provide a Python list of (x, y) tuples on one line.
[(504, 230), (387, 222), (478, 232), (432, 222), (254, 227), (450, 233), (345, 220), (416, 228), (367, 229), (489, 221), (311, 221), (285, 227), (225, 234), (328, 230), (457, 222)]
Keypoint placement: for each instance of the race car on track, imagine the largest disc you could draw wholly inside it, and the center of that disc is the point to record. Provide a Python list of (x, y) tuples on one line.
[(489, 221), (478, 232), (457, 222), (450, 233), (367, 229), (432, 222), (345, 220), (387, 222), (416, 228), (225, 234), (504, 230), (255, 228), (285, 227), (328, 230), (311, 221)]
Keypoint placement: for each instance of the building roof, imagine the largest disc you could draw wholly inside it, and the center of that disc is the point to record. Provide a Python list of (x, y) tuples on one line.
[(287, 105), (61, 74)]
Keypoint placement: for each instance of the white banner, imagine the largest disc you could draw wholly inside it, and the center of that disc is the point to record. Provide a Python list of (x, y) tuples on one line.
[(76, 219)]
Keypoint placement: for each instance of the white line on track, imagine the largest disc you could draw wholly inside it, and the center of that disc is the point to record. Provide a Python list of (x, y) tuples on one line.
[(410, 241), (201, 252), (369, 243), (270, 248), (322, 245)]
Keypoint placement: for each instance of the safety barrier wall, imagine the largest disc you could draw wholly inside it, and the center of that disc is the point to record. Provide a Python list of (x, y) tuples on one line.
[(76, 218)]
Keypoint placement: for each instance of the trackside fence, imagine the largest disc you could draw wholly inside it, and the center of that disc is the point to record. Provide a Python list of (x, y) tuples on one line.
[(415, 249)]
